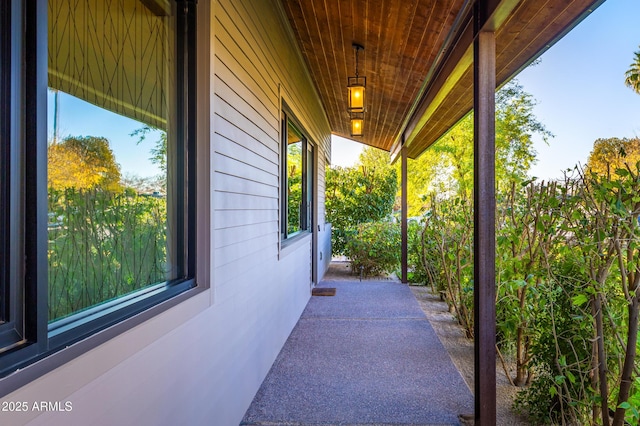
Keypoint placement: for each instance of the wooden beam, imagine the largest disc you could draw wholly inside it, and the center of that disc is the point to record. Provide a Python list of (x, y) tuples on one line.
[(403, 223), (484, 199)]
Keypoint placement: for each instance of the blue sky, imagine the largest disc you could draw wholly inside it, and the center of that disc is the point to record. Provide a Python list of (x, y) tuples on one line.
[(579, 87), (79, 118)]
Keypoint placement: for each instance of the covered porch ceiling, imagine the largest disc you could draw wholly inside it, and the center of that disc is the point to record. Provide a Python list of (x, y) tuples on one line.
[(418, 58)]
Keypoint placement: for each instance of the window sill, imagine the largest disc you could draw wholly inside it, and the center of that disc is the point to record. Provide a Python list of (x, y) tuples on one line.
[(294, 243)]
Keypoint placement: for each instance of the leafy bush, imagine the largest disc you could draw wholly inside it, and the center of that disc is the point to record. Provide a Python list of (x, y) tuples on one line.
[(375, 248), (356, 195), (419, 265), (103, 245), (561, 390)]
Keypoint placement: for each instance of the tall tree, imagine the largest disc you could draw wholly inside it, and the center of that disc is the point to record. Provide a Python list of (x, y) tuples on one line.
[(447, 167), (83, 163), (632, 76), (611, 154)]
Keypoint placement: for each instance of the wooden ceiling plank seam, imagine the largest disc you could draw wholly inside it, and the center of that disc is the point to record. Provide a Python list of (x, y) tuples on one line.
[(341, 47), (517, 26), (388, 50), (319, 16), (348, 35), (451, 39), (314, 61), (404, 78), (371, 65), (431, 57)]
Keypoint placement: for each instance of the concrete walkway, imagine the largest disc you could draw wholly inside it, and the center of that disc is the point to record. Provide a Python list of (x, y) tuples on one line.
[(366, 356)]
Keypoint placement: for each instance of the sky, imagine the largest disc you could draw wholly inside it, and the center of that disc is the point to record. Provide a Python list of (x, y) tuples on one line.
[(79, 118), (579, 89)]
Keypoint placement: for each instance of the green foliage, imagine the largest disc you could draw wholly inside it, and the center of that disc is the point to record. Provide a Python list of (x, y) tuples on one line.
[(539, 402), (103, 245), (419, 265), (446, 169), (373, 249), (632, 76), (294, 187), (159, 150), (561, 346), (568, 289), (356, 195), (446, 255)]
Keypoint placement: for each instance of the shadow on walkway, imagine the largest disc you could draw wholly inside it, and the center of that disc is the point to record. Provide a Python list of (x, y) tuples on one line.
[(366, 356)]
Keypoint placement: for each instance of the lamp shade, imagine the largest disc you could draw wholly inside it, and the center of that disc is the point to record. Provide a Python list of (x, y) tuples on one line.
[(356, 94), (357, 124)]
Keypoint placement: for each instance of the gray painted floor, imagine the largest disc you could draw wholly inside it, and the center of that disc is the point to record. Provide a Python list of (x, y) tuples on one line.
[(366, 356)]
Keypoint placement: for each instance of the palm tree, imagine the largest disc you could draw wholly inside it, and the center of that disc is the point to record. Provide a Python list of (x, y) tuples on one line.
[(632, 76)]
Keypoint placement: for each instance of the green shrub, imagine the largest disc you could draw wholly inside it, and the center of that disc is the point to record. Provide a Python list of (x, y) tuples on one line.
[(375, 248), (419, 256), (103, 245)]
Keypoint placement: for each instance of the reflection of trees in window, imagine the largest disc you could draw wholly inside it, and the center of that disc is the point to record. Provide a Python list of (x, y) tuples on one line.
[(294, 187), (107, 238), (102, 245), (297, 169), (83, 163), (108, 252), (159, 151)]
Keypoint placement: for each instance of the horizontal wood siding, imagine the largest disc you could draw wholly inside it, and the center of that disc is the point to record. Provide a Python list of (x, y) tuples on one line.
[(257, 66), (202, 361), (257, 62)]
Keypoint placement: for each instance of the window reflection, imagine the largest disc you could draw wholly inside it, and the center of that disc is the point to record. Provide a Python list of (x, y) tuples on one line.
[(110, 164), (294, 181)]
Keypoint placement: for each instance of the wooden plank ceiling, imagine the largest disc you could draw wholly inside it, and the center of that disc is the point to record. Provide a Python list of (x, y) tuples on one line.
[(418, 57)]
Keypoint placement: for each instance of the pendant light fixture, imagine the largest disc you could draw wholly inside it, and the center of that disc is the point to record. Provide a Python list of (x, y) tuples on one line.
[(356, 86)]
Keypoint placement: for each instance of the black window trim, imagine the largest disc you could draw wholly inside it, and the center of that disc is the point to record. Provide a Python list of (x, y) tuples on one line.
[(41, 346), (307, 220), (8, 335)]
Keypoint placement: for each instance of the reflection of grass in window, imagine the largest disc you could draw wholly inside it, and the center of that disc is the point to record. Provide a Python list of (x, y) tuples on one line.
[(102, 245)]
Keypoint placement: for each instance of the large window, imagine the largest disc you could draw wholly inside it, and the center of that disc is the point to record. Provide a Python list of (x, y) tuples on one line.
[(297, 185), (103, 167)]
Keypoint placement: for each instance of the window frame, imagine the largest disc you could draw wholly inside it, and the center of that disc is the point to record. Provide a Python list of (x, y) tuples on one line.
[(9, 335), (306, 217), (23, 88)]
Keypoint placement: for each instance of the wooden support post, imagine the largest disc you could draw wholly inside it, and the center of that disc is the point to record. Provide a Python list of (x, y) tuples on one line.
[(403, 225), (484, 199)]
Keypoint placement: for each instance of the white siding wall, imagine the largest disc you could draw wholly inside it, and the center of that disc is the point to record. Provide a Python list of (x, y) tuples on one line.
[(202, 361)]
